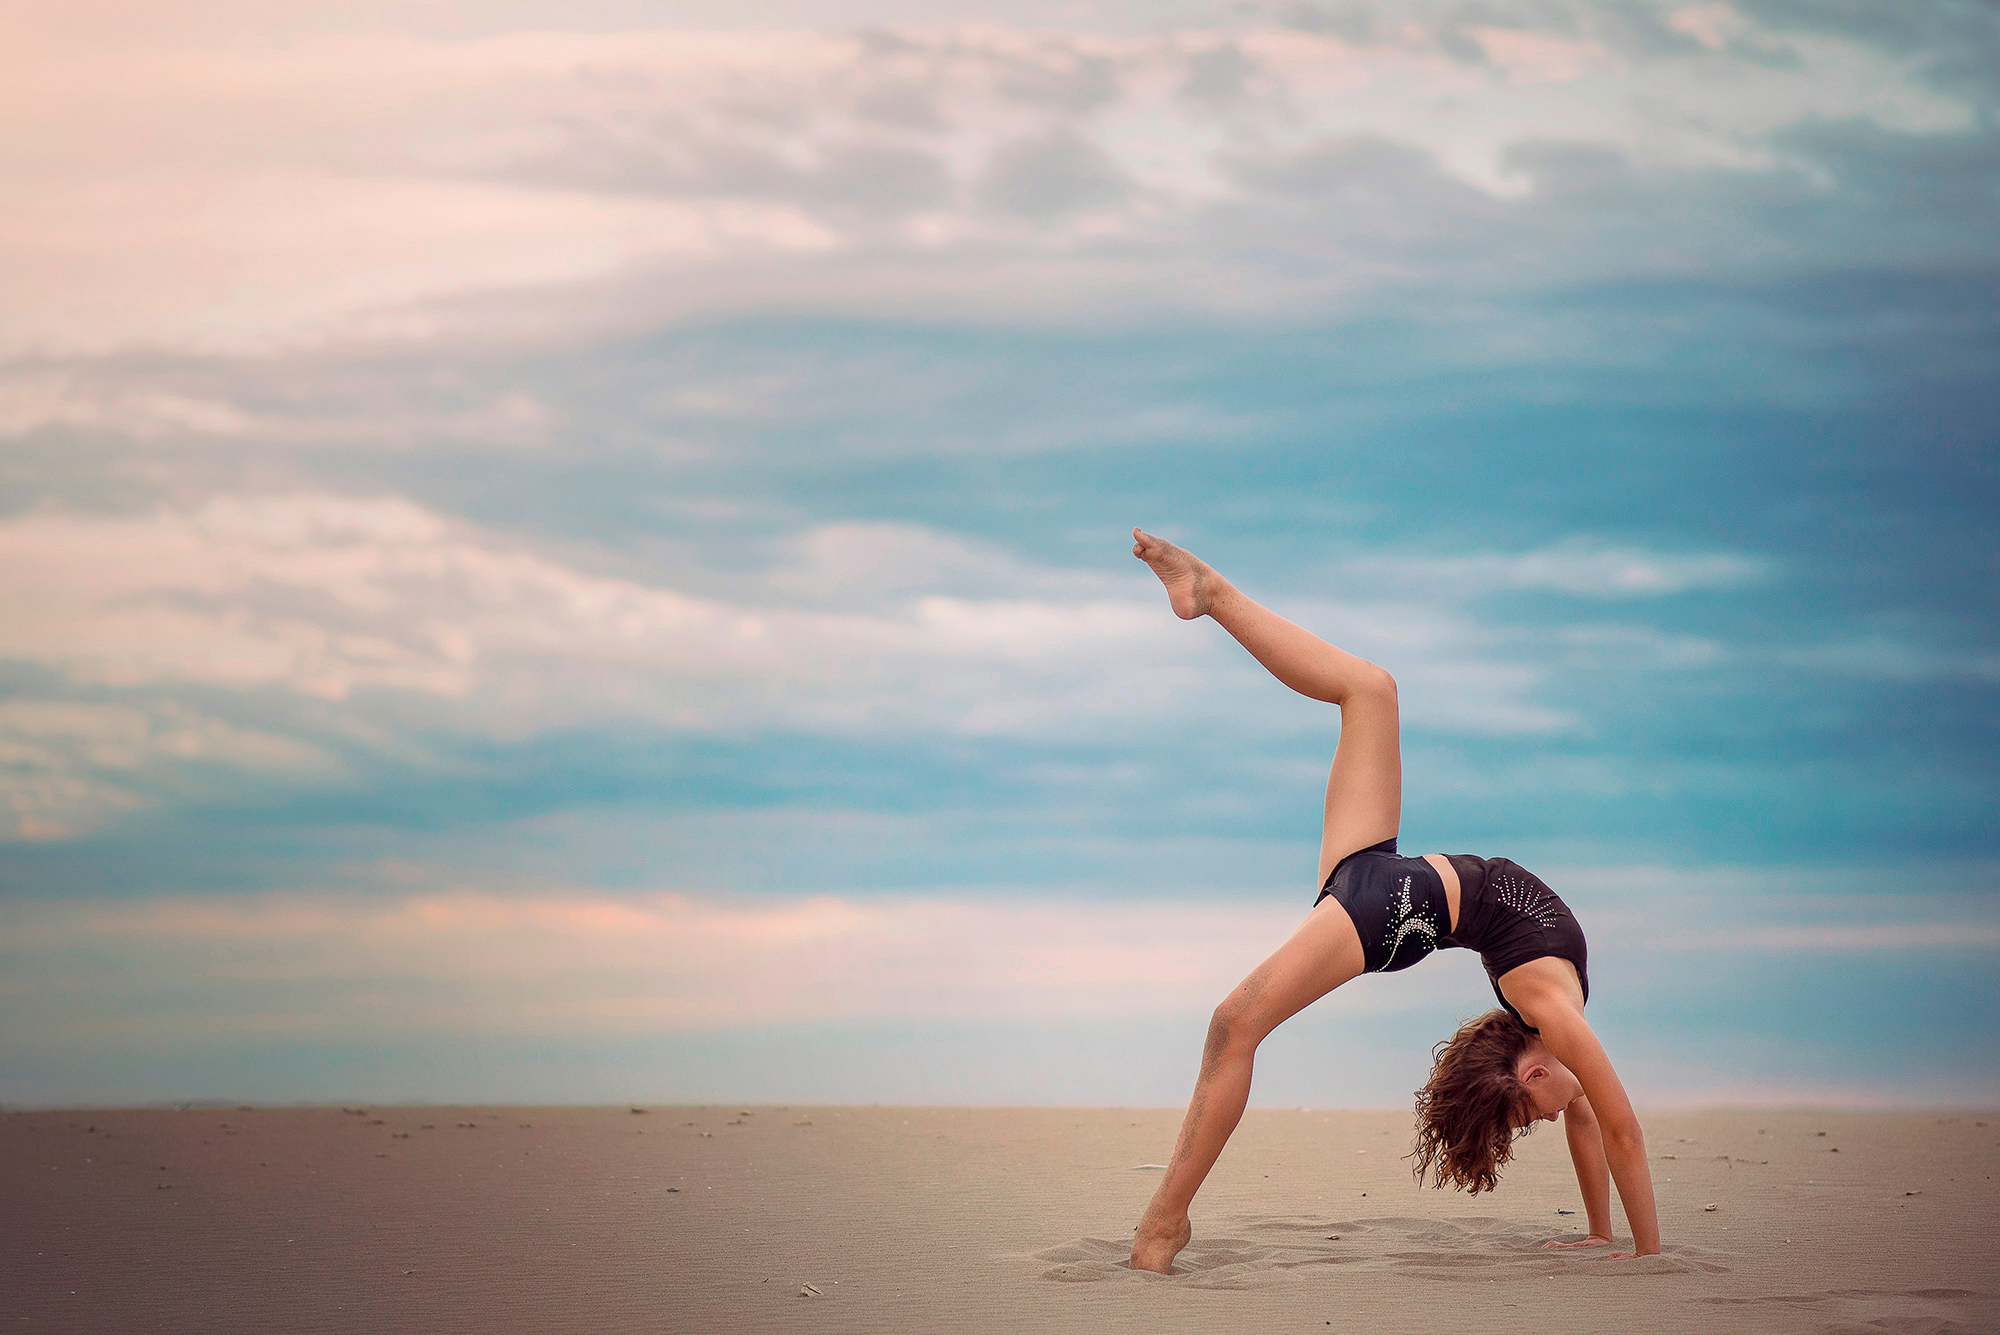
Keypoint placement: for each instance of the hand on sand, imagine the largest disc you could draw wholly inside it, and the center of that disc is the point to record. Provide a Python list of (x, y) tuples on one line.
[(1592, 1241)]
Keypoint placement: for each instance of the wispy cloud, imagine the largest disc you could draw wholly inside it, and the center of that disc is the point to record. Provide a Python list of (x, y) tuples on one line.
[(67, 766), (927, 167), (469, 960), (326, 596), (1580, 567), (887, 629)]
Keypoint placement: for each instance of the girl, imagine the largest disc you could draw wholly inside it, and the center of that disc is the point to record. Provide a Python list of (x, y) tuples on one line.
[(1378, 911)]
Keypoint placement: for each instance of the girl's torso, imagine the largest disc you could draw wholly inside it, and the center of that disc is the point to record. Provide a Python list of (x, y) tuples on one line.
[(1404, 908)]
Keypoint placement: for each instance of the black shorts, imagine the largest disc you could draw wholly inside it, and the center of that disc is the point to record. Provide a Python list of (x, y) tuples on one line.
[(1397, 904)]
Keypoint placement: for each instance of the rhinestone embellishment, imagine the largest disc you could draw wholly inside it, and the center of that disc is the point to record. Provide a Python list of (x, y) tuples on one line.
[(1404, 924), (1533, 901)]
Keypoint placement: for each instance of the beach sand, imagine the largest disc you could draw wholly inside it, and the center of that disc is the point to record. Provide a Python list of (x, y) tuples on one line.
[(499, 1220)]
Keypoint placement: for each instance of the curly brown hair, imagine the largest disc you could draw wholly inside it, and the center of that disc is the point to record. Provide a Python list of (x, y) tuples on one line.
[(1469, 1111)]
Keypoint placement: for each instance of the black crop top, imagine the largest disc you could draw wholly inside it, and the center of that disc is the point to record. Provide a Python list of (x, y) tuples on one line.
[(1508, 915)]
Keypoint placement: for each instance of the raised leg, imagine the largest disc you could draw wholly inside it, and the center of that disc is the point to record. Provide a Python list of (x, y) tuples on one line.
[(1364, 797), (1364, 791)]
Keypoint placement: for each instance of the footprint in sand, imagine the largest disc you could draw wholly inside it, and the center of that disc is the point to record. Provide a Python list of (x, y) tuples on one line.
[(1263, 1251)]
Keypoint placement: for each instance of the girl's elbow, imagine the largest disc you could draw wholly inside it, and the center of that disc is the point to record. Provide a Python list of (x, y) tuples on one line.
[(1623, 1138)]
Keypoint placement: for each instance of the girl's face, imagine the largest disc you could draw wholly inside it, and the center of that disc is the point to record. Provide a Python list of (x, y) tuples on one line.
[(1551, 1086)]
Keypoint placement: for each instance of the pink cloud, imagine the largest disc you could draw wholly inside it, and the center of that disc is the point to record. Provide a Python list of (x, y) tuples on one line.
[(510, 963)]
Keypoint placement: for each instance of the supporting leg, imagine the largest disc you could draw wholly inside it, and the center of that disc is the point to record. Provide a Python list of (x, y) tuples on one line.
[(1321, 955)]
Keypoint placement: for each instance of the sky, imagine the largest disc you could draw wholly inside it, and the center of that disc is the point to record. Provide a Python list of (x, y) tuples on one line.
[(580, 553)]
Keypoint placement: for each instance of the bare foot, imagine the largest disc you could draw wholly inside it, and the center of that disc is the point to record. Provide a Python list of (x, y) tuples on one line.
[(1156, 1246), (1190, 583)]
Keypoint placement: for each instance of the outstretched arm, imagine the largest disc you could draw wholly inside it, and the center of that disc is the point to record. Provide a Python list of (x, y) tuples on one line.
[(1569, 1038), (1586, 1151)]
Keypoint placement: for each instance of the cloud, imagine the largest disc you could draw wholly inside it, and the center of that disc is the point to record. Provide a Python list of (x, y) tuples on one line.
[(256, 203), (67, 767), (1578, 566), (865, 629), (573, 961), (270, 633), (269, 262), (327, 597), (462, 960), (873, 564), (207, 403)]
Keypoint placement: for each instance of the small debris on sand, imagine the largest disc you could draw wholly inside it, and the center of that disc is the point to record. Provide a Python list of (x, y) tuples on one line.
[(1137, 1167), (1709, 1208), (811, 1291), (638, 1110)]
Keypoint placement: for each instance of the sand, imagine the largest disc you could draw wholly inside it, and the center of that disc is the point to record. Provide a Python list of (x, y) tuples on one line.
[(499, 1220)]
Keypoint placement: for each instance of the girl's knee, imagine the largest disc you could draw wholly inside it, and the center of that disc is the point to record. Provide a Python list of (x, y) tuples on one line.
[(1234, 1024)]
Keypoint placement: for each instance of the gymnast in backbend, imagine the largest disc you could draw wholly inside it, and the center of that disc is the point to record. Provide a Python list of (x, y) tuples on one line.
[(1378, 911)]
